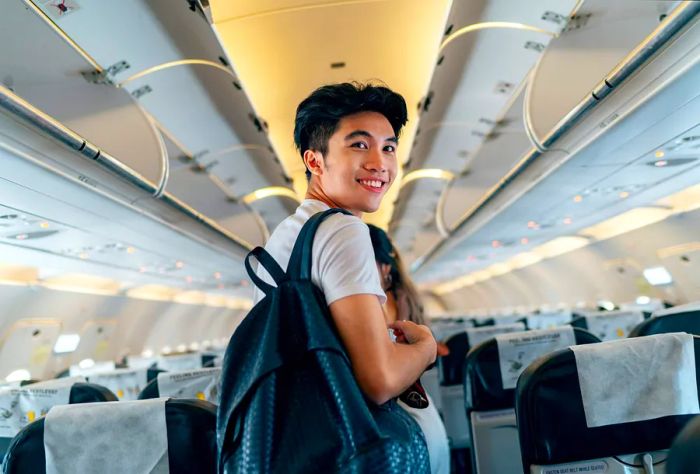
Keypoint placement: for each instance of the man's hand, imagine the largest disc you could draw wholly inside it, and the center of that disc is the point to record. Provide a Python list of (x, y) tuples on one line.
[(407, 332)]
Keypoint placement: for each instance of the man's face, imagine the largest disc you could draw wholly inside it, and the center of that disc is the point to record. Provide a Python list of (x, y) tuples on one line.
[(360, 163)]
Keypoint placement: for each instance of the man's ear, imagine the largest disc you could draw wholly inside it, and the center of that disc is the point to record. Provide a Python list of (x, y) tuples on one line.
[(314, 162)]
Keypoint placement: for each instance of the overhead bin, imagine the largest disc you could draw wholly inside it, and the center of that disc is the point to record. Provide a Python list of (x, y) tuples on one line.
[(52, 176)]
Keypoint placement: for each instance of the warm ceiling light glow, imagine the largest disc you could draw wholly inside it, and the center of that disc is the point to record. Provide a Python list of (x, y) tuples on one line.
[(217, 275), (179, 264), (493, 25), (660, 163), (683, 201), (499, 269), (495, 244), (642, 300), (86, 364), (260, 64), (559, 246), (567, 220), (190, 297), (21, 237), (130, 250), (18, 275), (659, 154), (83, 256), (82, 283), (153, 292), (626, 222), (432, 173), (578, 198), (624, 195), (524, 241), (532, 225), (270, 191), (44, 225), (524, 259)]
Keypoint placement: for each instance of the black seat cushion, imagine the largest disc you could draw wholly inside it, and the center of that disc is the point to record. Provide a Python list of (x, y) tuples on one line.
[(191, 428), (450, 366), (482, 376), (680, 322), (150, 390), (552, 422), (683, 457)]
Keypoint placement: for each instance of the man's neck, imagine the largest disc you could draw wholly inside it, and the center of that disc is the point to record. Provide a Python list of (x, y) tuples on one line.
[(314, 192)]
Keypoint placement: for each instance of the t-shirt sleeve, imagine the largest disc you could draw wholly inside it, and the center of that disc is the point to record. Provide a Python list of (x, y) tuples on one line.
[(346, 261)]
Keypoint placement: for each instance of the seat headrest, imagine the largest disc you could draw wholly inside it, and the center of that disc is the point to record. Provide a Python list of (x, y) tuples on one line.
[(609, 325), (482, 377), (552, 421), (126, 384), (202, 384), (451, 366), (180, 362), (190, 430), (677, 319)]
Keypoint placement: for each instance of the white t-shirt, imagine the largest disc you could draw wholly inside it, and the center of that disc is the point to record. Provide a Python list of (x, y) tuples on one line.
[(435, 435), (342, 254)]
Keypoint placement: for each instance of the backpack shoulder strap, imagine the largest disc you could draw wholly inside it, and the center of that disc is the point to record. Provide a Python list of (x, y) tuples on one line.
[(269, 264), (299, 267)]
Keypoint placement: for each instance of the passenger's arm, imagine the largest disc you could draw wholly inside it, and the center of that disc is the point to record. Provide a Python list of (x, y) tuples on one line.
[(383, 369)]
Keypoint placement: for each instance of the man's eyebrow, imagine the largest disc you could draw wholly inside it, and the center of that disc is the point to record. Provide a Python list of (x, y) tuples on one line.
[(365, 133)]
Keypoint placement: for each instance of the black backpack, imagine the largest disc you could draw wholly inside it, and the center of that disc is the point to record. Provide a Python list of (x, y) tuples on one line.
[(289, 401)]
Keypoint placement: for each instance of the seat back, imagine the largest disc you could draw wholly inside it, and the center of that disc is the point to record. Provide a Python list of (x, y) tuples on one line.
[(684, 318), (80, 392), (553, 429), (191, 441), (490, 408), (609, 325), (451, 370), (202, 384)]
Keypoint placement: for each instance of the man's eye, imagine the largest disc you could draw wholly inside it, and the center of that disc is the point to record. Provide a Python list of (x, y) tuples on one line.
[(390, 148), (361, 145)]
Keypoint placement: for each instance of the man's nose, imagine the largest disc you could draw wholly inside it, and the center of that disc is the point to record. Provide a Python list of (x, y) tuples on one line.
[(375, 161)]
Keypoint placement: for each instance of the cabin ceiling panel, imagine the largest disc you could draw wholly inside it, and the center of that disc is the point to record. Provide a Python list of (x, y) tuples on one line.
[(283, 55)]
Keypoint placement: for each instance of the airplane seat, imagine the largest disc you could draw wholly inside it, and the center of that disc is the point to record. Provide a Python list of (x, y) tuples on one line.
[(202, 384), (683, 456), (451, 377), (490, 408), (609, 325), (451, 391), (623, 429), (676, 319), (80, 392), (190, 439)]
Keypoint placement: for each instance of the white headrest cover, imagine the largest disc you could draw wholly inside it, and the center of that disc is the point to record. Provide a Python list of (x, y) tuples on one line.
[(637, 379), (108, 437), (19, 406), (126, 384), (519, 349), (202, 384), (611, 325), (478, 335)]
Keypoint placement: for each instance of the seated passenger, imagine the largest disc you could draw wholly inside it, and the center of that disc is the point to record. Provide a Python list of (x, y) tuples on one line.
[(402, 304)]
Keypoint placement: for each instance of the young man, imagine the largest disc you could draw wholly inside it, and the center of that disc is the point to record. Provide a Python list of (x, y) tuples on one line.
[(347, 135)]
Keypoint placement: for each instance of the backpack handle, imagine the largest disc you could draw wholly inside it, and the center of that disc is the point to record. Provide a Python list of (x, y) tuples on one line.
[(299, 267), (269, 264)]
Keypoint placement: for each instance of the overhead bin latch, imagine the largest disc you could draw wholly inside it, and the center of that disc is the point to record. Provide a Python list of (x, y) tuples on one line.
[(106, 76)]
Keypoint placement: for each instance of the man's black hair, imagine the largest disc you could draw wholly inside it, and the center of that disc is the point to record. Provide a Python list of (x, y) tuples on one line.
[(318, 115)]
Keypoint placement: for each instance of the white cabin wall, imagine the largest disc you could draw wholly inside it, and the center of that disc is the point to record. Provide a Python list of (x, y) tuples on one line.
[(606, 270), (140, 324)]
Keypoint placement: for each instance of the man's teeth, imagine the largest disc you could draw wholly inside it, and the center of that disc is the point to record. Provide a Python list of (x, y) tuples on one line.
[(372, 183)]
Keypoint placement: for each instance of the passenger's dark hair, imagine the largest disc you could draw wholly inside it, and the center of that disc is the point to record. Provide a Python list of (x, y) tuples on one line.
[(318, 115), (401, 284)]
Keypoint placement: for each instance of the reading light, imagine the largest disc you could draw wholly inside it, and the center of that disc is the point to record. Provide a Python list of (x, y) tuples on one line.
[(86, 363), (433, 173), (270, 191), (657, 276), (66, 343), (578, 198), (606, 305)]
